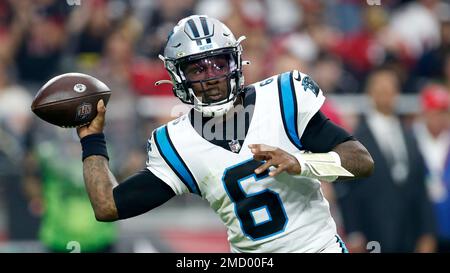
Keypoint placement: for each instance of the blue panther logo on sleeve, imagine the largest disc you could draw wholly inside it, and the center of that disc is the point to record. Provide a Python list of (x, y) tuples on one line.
[(309, 84)]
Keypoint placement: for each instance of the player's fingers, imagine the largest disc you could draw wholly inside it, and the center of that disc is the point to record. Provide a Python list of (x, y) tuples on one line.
[(263, 167), (96, 125), (256, 150), (281, 168), (101, 110), (79, 131), (261, 157), (101, 106), (262, 147), (82, 131)]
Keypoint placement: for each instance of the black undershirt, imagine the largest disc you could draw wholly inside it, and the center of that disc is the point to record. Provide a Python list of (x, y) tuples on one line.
[(219, 128), (145, 191), (140, 193)]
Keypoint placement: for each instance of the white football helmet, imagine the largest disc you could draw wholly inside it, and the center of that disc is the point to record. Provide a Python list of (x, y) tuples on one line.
[(196, 38)]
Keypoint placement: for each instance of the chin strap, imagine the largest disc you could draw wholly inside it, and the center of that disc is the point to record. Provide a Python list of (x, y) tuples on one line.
[(216, 110)]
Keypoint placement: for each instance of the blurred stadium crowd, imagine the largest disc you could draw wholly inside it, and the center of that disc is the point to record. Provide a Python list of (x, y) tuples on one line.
[(350, 48)]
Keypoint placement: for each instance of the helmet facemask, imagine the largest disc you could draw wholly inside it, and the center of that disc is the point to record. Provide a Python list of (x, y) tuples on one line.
[(201, 40), (210, 81)]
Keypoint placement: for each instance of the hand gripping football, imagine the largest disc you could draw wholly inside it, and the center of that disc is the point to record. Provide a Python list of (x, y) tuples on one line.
[(70, 100)]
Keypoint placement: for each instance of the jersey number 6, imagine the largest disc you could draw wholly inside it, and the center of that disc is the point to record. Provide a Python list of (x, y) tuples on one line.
[(261, 214)]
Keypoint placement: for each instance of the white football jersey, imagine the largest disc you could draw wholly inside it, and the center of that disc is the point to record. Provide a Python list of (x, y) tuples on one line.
[(262, 213)]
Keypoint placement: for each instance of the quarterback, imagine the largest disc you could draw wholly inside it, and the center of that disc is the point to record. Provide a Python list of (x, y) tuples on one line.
[(254, 152)]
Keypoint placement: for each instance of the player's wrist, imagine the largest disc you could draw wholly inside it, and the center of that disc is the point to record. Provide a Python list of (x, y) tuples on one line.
[(307, 161), (305, 169), (94, 144), (295, 169), (301, 163)]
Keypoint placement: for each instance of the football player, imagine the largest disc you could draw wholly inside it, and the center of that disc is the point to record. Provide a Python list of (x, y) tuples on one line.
[(255, 153)]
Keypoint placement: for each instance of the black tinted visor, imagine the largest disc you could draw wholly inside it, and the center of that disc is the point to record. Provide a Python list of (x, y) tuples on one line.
[(208, 67)]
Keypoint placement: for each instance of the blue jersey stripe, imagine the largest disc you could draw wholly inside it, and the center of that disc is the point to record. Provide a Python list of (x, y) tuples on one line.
[(173, 159), (341, 244), (288, 103)]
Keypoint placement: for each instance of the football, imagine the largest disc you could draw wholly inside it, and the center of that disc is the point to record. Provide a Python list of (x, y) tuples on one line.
[(70, 100)]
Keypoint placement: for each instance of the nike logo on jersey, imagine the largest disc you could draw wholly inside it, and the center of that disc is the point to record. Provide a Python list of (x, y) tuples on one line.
[(296, 75)]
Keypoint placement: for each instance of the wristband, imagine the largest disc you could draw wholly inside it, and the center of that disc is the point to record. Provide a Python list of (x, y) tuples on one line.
[(322, 166), (94, 144)]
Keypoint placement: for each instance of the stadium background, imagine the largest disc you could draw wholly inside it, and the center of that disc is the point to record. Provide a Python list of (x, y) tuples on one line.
[(337, 42)]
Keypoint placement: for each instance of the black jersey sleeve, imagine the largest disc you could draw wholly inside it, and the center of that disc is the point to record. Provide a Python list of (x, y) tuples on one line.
[(322, 135), (140, 193)]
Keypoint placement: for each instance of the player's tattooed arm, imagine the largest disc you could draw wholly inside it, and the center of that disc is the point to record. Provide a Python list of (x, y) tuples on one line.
[(355, 158), (98, 178), (99, 184)]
